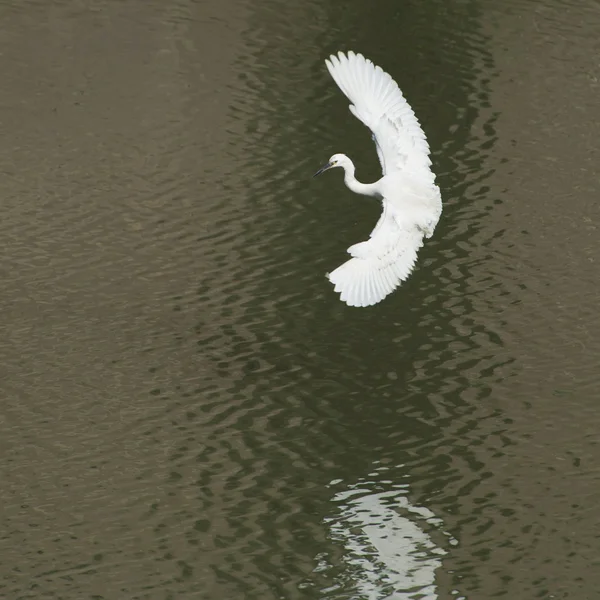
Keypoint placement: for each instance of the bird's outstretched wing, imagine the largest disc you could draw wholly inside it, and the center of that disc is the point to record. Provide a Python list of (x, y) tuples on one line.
[(379, 265), (378, 102)]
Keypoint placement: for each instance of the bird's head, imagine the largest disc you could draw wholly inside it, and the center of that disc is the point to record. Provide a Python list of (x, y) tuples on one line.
[(337, 160)]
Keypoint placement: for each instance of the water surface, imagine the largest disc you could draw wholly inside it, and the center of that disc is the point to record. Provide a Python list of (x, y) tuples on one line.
[(190, 412)]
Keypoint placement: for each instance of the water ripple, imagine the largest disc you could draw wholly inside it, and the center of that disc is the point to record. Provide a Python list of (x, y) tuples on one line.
[(190, 411)]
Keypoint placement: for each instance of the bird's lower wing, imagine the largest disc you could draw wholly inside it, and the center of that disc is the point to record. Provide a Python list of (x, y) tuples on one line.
[(379, 265)]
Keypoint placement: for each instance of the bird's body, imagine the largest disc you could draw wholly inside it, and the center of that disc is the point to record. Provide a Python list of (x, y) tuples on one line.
[(410, 198)]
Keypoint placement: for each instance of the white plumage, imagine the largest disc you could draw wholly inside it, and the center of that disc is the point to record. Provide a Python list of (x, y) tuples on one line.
[(411, 200)]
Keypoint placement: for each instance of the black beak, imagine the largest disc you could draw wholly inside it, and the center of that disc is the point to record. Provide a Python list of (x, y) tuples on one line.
[(323, 169)]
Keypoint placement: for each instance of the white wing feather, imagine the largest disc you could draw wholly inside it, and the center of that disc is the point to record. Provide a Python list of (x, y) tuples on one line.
[(378, 102), (380, 264), (411, 201)]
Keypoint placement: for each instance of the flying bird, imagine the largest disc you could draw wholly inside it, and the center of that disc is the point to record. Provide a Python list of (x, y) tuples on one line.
[(410, 199)]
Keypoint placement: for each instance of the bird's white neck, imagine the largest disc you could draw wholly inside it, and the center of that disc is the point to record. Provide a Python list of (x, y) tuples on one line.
[(366, 189)]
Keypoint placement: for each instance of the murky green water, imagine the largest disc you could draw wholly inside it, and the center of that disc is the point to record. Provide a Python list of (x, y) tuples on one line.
[(188, 409)]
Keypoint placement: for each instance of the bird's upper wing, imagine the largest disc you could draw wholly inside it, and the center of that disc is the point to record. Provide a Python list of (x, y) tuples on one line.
[(379, 265), (378, 102)]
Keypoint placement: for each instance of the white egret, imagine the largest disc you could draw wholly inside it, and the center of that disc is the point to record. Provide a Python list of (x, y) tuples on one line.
[(411, 200)]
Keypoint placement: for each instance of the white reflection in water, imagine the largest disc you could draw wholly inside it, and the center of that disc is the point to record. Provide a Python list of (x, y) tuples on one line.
[(388, 551)]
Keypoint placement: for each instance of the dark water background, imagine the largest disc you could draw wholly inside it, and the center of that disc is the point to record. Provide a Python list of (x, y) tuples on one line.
[(188, 411)]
